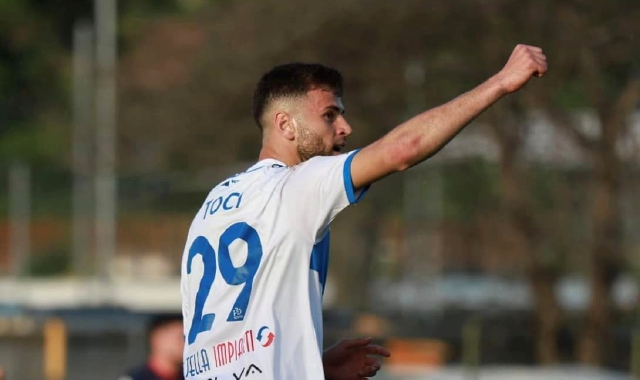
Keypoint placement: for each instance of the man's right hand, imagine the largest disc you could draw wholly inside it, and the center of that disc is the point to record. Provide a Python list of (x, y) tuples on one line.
[(525, 62)]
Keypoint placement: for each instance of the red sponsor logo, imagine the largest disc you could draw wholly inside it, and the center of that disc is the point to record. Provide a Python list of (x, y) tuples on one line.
[(231, 351)]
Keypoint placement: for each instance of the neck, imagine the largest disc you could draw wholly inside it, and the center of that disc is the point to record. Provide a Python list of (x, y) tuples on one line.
[(162, 367), (286, 157)]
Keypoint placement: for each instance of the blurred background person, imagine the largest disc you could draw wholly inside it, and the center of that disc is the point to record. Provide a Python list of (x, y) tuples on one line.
[(166, 342)]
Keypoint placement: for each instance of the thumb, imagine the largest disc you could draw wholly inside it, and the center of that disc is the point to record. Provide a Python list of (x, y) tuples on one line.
[(355, 343)]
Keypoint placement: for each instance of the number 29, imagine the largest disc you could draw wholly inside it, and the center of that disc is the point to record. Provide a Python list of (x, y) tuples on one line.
[(232, 275)]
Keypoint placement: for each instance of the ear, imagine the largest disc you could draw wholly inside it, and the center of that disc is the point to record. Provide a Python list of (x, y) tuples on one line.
[(285, 125)]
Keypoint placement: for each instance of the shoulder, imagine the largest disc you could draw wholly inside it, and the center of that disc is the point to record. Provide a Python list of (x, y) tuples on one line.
[(324, 160), (254, 175), (336, 161), (323, 165)]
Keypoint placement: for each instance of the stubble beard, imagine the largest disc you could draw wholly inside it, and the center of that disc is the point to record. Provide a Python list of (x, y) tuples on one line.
[(310, 144)]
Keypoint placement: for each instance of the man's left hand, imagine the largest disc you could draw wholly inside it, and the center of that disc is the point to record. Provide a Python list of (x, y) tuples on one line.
[(351, 360)]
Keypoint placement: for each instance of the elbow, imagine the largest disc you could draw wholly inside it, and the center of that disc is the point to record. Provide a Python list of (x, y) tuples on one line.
[(404, 154)]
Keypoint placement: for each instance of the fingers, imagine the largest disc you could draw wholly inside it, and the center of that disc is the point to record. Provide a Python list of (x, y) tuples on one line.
[(355, 343), (372, 362), (535, 56), (528, 47), (369, 371), (541, 68), (365, 344), (533, 48), (539, 57), (374, 349), (541, 61), (526, 51), (372, 365)]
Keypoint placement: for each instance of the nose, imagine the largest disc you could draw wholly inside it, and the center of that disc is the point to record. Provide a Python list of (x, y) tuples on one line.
[(344, 129)]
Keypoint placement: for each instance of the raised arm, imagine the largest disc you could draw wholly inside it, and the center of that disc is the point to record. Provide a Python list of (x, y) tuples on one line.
[(425, 134)]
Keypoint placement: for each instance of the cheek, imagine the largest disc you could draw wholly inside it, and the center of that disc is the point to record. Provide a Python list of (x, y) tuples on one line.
[(328, 132)]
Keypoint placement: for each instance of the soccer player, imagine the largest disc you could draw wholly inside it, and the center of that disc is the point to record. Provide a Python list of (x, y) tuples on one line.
[(166, 343), (255, 261)]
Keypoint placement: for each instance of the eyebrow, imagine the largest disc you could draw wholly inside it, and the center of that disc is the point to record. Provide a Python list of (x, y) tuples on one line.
[(335, 108)]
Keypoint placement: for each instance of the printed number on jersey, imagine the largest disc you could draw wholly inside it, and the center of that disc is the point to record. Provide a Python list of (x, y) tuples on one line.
[(242, 275)]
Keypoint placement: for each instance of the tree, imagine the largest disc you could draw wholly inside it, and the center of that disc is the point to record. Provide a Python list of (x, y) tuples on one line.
[(599, 61), (199, 99), (35, 60)]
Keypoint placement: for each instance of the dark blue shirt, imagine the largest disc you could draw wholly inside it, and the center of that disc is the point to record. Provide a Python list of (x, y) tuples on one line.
[(145, 372)]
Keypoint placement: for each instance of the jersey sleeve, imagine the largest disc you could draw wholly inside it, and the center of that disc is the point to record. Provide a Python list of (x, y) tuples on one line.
[(318, 189)]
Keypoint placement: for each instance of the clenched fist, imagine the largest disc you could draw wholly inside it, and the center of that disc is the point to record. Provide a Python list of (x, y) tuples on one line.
[(524, 63)]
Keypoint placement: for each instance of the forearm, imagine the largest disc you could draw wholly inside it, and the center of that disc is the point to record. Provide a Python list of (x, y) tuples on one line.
[(425, 134)]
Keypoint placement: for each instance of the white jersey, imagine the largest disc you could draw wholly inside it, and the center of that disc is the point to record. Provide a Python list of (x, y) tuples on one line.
[(254, 269)]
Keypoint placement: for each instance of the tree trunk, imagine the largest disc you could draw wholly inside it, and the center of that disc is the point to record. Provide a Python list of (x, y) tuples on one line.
[(604, 264), (591, 346), (547, 314), (542, 278)]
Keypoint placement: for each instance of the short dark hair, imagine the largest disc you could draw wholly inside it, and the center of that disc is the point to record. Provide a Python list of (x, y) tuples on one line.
[(293, 79), (157, 321)]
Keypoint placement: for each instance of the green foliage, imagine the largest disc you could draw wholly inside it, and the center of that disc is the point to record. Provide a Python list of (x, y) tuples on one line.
[(11, 12), (49, 263), (35, 58), (470, 187), (544, 187), (571, 94), (51, 191), (38, 144)]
